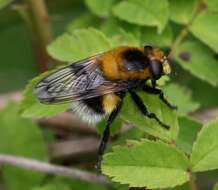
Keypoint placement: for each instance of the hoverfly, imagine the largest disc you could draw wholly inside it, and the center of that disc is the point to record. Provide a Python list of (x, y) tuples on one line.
[(97, 85)]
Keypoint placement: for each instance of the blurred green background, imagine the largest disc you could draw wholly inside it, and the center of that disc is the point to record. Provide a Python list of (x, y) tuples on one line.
[(192, 86)]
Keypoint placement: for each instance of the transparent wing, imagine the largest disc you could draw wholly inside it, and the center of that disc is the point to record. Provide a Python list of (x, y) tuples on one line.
[(81, 80)]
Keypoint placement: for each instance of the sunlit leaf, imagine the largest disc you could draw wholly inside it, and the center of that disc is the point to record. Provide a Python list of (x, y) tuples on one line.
[(146, 164), (80, 44), (188, 131), (101, 8), (131, 114), (181, 97), (205, 28), (205, 150), (144, 13), (151, 36), (84, 21), (182, 11), (30, 105), (198, 60)]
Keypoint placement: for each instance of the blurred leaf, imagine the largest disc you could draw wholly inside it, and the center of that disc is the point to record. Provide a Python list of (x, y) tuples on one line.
[(114, 128), (53, 186), (188, 131), (131, 134), (151, 36), (4, 3), (185, 186), (101, 8), (205, 28), (84, 21), (32, 108), (124, 39), (17, 56), (113, 26), (182, 11), (131, 114), (139, 164), (121, 33), (20, 137), (81, 44), (215, 187), (199, 60), (205, 150), (181, 96), (74, 184), (144, 13), (212, 5)]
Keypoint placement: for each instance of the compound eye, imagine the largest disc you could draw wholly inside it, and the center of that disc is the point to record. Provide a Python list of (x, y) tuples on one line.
[(156, 69)]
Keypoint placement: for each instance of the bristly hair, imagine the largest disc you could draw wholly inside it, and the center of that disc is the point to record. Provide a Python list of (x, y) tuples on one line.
[(87, 114)]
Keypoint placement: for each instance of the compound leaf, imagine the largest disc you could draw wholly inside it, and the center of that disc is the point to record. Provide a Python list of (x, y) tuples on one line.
[(131, 114), (100, 8), (80, 44), (181, 96), (199, 60), (143, 13), (205, 150), (205, 28), (182, 12), (146, 164)]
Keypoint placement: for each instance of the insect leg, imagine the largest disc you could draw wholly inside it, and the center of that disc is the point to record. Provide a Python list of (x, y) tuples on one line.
[(106, 133), (138, 101), (159, 92)]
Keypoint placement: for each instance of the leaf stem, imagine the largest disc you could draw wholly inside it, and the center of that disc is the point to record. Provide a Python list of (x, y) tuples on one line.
[(192, 182), (41, 29), (184, 32), (52, 169)]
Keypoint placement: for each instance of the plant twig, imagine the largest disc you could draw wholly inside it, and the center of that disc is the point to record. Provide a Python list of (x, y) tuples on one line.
[(184, 32), (42, 33), (52, 169), (192, 182)]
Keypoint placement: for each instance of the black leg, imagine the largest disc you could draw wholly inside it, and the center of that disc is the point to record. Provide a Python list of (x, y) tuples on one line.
[(106, 133), (138, 101), (159, 92)]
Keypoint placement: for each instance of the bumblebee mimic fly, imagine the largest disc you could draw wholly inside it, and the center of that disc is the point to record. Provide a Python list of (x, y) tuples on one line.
[(97, 85)]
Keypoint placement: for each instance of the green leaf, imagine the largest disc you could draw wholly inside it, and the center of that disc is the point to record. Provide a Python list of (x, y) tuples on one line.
[(205, 28), (84, 21), (121, 33), (131, 114), (182, 11), (114, 26), (144, 13), (212, 5), (205, 150), (20, 137), (74, 184), (188, 131), (199, 60), (31, 107), (114, 128), (146, 164), (4, 3), (215, 187), (81, 44), (151, 36), (101, 8), (185, 186), (181, 96), (53, 186)]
